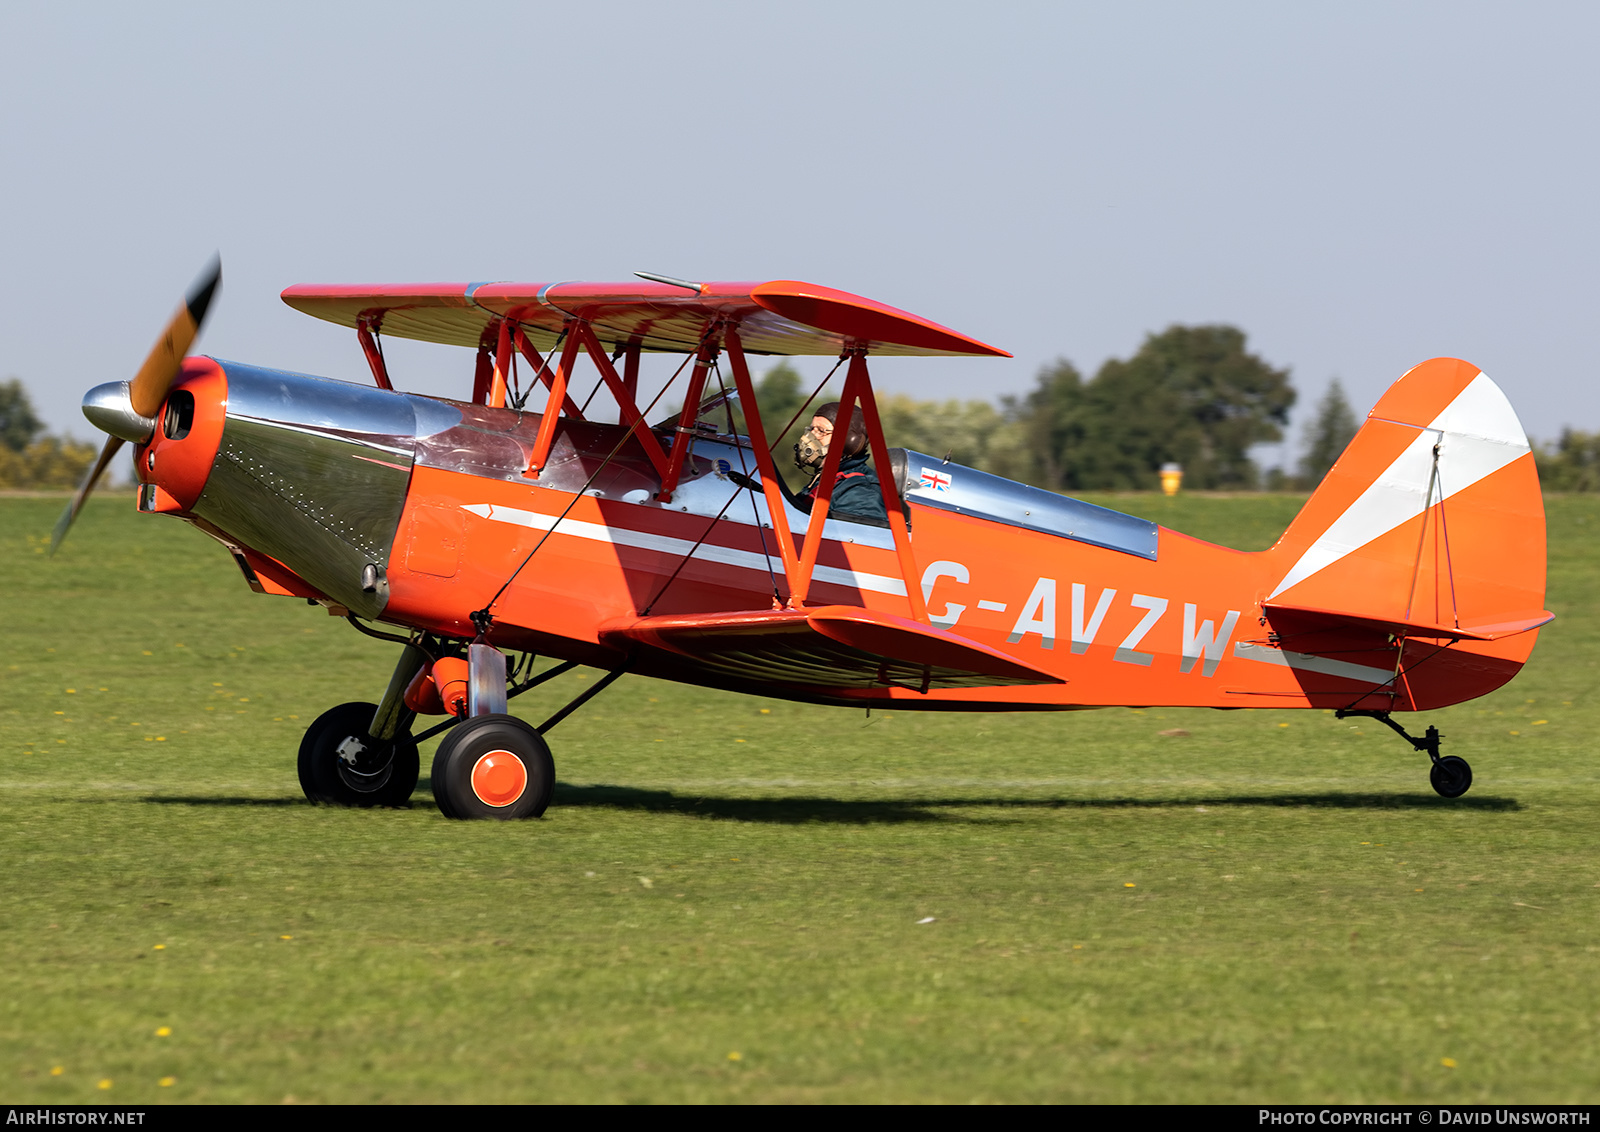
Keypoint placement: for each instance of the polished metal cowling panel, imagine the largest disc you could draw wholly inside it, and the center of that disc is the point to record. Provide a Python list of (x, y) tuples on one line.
[(314, 473), (931, 482)]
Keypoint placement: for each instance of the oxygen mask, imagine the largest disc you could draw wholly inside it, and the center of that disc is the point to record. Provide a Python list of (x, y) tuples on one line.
[(810, 450)]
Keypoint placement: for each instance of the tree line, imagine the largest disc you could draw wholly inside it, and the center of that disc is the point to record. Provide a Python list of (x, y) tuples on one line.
[(1191, 395), (31, 459)]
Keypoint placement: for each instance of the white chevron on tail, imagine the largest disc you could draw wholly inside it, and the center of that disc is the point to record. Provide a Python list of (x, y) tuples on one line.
[(1478, 433)]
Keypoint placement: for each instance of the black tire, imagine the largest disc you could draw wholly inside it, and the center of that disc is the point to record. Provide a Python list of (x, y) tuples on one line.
[(493, 767), (1451, 776), (341, 765)]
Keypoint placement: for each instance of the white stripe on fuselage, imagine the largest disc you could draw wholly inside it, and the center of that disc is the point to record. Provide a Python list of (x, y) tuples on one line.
[(1305, 662), (666, 544), (1478, 434)]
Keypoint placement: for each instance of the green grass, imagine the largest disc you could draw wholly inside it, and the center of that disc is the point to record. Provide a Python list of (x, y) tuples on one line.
[(1251, 913)]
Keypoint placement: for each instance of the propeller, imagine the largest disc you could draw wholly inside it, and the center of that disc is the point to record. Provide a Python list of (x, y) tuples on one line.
[(126, 409)]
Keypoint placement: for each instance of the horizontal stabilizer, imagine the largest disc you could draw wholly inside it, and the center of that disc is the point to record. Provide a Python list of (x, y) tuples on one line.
[(1492, 631), (826, 648)]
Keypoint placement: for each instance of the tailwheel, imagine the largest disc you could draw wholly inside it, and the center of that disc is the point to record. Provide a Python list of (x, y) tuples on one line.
[(341, 765), (493, 766), (1451, 776)]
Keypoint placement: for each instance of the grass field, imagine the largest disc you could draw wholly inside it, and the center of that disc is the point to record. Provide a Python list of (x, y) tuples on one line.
[(727, 900)]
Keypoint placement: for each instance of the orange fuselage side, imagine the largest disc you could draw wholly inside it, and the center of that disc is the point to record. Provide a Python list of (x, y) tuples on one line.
[(1185, 630)]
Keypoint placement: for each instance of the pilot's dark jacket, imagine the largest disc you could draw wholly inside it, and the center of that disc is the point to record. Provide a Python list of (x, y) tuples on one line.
[(857, 495)]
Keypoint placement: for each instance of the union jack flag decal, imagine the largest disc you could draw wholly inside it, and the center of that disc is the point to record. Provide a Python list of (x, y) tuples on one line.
[(935, 480)]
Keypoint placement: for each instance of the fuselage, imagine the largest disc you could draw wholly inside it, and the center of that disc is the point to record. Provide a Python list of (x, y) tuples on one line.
[(417, 512)]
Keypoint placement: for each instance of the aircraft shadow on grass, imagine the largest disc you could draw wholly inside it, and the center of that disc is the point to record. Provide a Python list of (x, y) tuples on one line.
[(890, 811), (222, 800), (873, 811)]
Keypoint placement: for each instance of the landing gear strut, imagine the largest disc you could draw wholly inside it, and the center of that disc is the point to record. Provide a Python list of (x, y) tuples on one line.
[(490, 764), (1450, 775)]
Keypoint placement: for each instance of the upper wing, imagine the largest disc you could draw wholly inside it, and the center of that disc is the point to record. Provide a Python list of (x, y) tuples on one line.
[(780, 317), (833, 648)]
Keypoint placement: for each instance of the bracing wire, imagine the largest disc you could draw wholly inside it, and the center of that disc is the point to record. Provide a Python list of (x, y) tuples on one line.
[(538, 375), (755, 511), (515, 377), (377, 342), (605, 463), (599, 380), (737, 491)]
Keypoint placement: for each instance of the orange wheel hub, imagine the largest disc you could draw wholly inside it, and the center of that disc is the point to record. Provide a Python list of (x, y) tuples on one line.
[(499, 778)]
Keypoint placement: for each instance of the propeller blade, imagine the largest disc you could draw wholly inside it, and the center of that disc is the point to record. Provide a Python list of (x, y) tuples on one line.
[(150, 385), (70, 515)]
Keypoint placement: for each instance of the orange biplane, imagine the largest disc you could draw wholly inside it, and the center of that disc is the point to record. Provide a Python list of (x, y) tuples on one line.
[(485, 528)]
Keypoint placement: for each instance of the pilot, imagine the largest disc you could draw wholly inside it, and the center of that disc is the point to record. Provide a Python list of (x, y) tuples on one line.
[(857, 495)]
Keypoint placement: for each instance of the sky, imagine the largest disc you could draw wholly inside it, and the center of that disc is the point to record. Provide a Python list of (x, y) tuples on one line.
[(1359, 187)]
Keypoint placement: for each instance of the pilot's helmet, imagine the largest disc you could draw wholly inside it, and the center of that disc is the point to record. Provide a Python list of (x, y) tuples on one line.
[(856, 442)]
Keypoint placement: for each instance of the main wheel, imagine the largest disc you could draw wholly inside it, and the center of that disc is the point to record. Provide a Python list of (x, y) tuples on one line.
[(493, 766), (341, 765), (1451, 776)]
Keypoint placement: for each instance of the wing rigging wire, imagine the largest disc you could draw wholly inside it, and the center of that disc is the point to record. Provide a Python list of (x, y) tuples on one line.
[(755, 511), (737, 490), (520, 400), (599, 380), (514, 379), (481, 617), (767, 554)]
